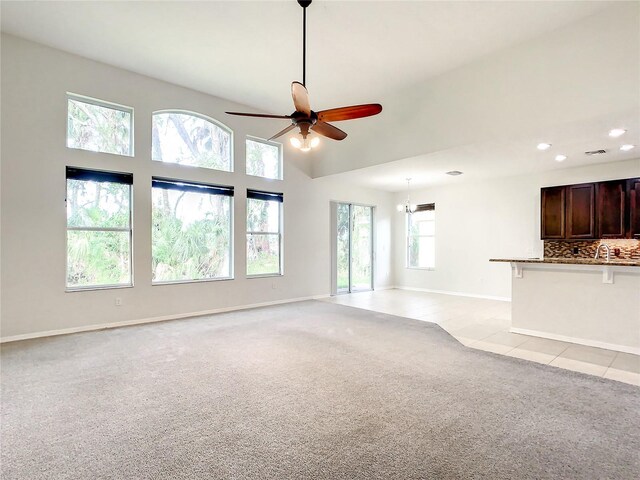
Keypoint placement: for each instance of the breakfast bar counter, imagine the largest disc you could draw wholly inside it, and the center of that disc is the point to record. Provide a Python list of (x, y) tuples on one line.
[(581, 300)]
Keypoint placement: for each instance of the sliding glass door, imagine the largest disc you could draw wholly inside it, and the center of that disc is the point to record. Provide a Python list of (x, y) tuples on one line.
[(354, 248)]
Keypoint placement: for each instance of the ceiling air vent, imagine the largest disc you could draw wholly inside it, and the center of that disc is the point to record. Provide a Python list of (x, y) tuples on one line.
[(595, 152), (454, 173)]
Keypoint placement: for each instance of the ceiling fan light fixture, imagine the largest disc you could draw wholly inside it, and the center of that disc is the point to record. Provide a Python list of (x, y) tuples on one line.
[(304, 143)]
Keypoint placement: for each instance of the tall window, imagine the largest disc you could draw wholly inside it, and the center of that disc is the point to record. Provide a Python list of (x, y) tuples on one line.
[(191, 238), (99, 126), (264, 159), (264, 233), (98, 229), (421, 241), (191, 139)]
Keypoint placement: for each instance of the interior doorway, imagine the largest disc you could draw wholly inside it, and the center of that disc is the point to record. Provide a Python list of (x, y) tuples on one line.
[(353, 247)]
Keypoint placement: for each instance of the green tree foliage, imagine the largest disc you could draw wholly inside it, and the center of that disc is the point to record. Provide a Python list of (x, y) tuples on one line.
[(191, 236), (263, 160), (98, 257), (263, 243), (361, 221), (190, 140), (96, 128)]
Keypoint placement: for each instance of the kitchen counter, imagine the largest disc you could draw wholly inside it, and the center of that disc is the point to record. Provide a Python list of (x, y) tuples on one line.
[(580, 300), (573, 261)]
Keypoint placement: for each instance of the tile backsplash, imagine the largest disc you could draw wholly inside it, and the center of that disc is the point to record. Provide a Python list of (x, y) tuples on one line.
[(629, 249)]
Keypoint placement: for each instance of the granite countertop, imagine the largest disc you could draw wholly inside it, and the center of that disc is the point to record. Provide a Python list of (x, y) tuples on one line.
[(617, 262)]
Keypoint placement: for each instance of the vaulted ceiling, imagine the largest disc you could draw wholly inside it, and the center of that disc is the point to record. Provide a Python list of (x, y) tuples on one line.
[(435, 66)]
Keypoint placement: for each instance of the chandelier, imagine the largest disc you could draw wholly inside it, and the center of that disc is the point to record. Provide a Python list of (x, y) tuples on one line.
[(407, 207)]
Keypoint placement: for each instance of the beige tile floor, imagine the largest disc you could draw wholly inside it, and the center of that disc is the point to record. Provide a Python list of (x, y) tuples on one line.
[(484, 324)]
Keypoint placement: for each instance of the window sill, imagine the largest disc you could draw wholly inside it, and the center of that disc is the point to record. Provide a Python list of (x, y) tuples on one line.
[(181, 282), (264, 178), (266, 275), (96, 287)]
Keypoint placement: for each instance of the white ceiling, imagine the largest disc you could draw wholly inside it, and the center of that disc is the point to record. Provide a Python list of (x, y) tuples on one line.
[(358, 51), (249, 52), (505, 158)]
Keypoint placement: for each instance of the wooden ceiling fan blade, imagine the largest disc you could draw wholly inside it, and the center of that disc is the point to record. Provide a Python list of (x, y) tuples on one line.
[(282, 132), (259, 115), (328, 130), (300, 98), (349, 113)]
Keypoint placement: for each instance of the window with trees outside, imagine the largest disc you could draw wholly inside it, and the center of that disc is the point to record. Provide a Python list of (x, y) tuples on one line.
[(191, 139), (191, 237), (421, 240), (264, 233), (99, 126), (264, 158), (98, 229)]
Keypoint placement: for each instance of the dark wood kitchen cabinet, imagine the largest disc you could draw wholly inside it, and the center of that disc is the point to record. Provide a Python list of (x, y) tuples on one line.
[(581, 211), (633, 188), (553, 213), (611, 209), (590, 211)]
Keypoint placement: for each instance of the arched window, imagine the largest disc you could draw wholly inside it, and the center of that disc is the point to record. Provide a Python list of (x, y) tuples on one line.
[(191, 139)]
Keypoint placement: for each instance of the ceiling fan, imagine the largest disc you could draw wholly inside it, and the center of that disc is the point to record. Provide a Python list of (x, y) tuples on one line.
[(306, 119)]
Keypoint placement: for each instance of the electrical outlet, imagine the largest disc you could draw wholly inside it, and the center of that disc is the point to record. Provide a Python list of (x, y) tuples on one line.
[(118, 302), (273, 286)]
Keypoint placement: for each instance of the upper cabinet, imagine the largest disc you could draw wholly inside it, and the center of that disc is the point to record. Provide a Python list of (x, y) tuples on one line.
[(553, 216), (580, 211), (611, 209), (633, 188), (591, 210)]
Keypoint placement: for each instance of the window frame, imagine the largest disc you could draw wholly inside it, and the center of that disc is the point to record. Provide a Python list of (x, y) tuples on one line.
[(271, 144), (104, 104), (280, 201), (429, 206), (69, 289), (206, 118), (204, 186)]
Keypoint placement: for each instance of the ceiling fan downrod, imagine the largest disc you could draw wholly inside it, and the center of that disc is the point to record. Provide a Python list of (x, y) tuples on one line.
[(305, 119), (304, 4)]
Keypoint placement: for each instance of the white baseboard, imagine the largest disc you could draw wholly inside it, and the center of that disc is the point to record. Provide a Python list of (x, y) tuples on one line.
[(164, 318), (458, 294), (579, 341)]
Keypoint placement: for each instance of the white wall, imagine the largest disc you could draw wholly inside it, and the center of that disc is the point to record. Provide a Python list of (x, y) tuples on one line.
[(35, 80), (476, 221)]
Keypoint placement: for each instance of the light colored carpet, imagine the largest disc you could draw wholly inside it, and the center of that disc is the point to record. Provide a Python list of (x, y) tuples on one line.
[(305, 390)]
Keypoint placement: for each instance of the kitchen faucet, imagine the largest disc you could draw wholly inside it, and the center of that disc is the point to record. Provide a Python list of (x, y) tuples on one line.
[(607, 249)]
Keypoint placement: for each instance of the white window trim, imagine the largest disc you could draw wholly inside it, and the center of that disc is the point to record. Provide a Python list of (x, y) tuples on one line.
[(88, 288), (280, 157), (102, 103), (280, 245), (231, 247)]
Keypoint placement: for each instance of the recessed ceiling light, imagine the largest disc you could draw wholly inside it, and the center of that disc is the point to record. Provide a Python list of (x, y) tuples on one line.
[(543, 146), (627, 147), (616, 132), (561, 158), (454, 173)]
